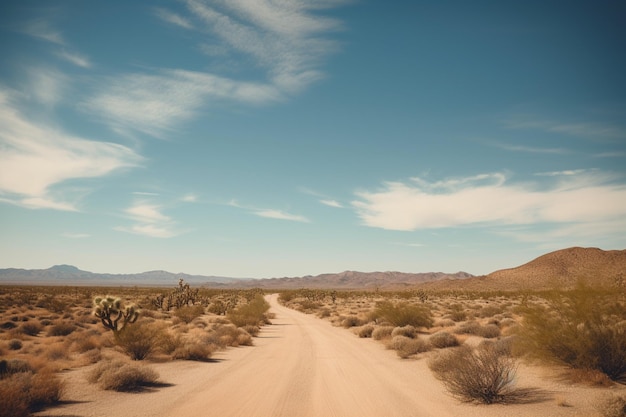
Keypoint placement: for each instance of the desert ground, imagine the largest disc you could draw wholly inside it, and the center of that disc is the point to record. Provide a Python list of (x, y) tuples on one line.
[(304, 365)]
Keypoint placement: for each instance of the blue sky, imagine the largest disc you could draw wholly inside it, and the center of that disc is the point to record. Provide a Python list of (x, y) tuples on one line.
[(285, 138)]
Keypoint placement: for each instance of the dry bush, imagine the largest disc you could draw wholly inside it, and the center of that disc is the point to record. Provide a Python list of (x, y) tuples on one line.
[(482, 375), (189, 313), (583, 329), (405, 346), (365, 331), (382, 332), (444, 323), (442, 340), (61, 328), (489, 331), (403, 314), (194, 347), (118, 375), (323, 313), (253, 313), (407, 331), (229, 335), (612, 405), (351, 321), (15, 344), (457, 313), (14, 402), (85, 344), (590, 377), (490, 311), (140, 340), (31, 328), (22, 391)]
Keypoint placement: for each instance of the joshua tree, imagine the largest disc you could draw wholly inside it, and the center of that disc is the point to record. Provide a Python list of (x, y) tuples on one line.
[(113, 314)]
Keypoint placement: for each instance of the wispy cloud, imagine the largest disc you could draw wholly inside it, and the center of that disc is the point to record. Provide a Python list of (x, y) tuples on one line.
[(75, 235), (531, 149), (590, 130), (323, 199), (42, 29), (149, 221), (45, 85), (35, 157), (173, 18), (75, 58), (490, 200), (154, 104), (189, 198), (270, 213)]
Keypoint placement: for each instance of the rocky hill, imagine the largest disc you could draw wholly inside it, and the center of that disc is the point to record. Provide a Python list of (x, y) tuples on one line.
[(560, 269)]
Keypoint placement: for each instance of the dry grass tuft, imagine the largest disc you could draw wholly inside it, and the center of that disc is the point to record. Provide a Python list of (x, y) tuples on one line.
[(118, 375), (406, 346), (612, 405), (442, 340)]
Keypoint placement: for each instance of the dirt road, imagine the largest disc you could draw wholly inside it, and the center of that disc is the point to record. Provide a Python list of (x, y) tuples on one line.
[(300, 366)]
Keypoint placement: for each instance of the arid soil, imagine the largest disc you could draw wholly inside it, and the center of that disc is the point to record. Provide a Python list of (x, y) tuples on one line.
[(303, 366)]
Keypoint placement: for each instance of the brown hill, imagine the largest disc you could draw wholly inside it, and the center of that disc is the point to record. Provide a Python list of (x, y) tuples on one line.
[(560, 269)]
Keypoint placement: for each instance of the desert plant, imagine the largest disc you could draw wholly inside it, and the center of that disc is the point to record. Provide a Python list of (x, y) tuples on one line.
[(252, 313), (366, 331), (482, 375), (580, 329), (111, 311), (118, 375), (382, 332), (15, 344), (139, 341), (403, 314), (188, 313), (23, 391), (407, 331), (351, 321), (31, 328), (443, 340), (61, 328), (406, 346)]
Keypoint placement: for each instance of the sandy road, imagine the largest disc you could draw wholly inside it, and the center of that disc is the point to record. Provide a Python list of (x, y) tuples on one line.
[(302, 366)]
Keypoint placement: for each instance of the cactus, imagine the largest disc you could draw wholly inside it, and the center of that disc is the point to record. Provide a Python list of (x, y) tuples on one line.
[(113, 314)]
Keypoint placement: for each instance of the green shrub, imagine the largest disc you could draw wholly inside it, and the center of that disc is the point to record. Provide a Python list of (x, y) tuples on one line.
[(122, 376), (403, 314), (582, 329), (481, 375)]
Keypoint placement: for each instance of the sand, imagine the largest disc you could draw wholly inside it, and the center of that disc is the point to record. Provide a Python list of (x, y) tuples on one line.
[(302, 366)]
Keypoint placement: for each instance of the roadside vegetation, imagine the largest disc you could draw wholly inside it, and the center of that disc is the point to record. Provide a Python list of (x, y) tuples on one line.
[(44, 330), (474, 342)]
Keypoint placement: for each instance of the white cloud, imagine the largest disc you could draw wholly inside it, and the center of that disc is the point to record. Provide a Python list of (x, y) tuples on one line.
[(45, 85), (150, 221), (153, 104), (531, 149), (331, 203), (173, 18), (75, 235), (75, 58), (490, 200), (35, 157), (281, 215), (190, 198)]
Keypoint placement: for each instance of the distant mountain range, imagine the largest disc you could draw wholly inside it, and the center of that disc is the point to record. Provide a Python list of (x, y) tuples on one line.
[(71, 275), (562, 269)]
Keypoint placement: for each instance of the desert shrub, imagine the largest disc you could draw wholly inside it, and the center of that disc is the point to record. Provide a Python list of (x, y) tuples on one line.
[(457, 313), (193, 349), (403, 314), (365, 331), (490, 311), (85, 344), (8, 325), (253, 313), (469, 327), (382, 332), (351, 321), (405, 346), (118, 375), (57, 352), (13, 366), (139, 341), (188, 313), (444, 323), (580, 329), (22, 392), (489, 331), (31, 328), (612, 405), (252, 330), (323, 313), (443, 340), (229, 335), (15, 344), (407, 331), (481, 375), (61, 328)]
